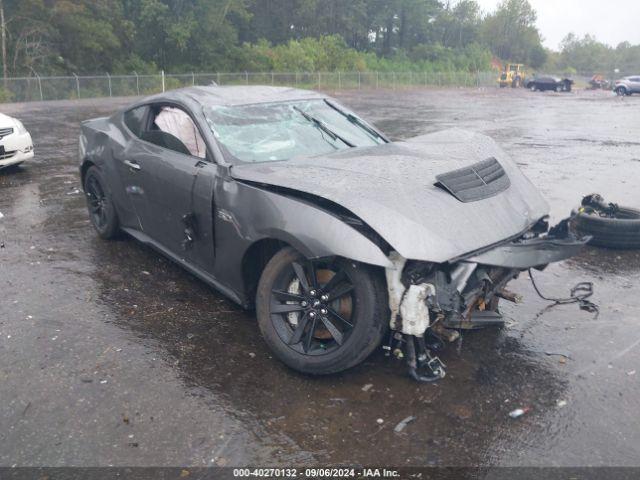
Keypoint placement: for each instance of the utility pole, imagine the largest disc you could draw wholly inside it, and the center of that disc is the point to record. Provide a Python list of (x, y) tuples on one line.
[(3, 27)]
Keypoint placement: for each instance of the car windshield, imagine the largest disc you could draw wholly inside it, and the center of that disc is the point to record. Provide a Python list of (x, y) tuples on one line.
[(281, 131)]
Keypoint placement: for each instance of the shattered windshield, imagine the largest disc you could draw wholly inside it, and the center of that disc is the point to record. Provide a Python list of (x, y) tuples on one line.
[(280, 131)]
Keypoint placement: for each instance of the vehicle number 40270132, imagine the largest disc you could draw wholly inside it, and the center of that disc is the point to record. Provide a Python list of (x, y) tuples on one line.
[(316, 473)]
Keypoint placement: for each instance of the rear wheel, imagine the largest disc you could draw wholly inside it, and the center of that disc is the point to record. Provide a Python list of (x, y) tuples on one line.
[(102, 212), (320, 316), (622, 91)]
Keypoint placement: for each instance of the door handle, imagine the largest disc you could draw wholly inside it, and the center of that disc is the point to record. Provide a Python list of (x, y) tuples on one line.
[(131, 164)]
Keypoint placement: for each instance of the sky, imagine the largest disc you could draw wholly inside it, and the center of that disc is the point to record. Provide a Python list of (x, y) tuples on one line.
[(611, 22)]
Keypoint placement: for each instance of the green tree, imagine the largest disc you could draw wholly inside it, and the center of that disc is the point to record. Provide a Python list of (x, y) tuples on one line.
[(511, 33)]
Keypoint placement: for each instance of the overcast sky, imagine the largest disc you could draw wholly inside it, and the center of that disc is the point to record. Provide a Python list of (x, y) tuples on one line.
[(610, 21)]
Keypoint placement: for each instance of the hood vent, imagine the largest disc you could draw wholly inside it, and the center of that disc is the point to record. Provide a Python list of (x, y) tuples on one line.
[(475, 182)]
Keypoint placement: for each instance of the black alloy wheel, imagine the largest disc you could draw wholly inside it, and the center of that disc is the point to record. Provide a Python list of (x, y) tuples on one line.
[(320, 316), (312, 307)]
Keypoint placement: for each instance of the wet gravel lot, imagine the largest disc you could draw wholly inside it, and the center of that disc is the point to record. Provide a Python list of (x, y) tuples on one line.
[(112, 355)]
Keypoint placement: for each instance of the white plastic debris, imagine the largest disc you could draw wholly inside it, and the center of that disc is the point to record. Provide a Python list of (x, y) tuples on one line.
[(367, 387), (518, 412), (1, 215), (379, 421), (561, 403), (631, 372), (414, 310), (401, 425)]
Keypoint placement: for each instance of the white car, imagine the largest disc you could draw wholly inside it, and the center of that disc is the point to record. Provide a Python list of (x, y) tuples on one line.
[(16, 145)]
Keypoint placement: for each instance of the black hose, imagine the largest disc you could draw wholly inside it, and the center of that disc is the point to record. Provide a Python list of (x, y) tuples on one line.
[(413, 364), (579, 294)]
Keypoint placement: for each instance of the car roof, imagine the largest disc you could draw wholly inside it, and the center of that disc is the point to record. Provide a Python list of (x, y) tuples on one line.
[(235, 95)]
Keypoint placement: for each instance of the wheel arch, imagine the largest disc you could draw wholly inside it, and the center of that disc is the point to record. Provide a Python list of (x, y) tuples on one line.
[(84, 168), (260, 252), (255, 260)]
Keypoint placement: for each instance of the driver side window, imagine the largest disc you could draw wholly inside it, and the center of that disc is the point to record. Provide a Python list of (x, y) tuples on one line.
[(173, 128)]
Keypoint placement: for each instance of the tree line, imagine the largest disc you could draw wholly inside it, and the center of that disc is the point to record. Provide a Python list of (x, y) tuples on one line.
[(120, 36)]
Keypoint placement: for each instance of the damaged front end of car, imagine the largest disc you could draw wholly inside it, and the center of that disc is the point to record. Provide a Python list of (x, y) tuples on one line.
[(431, 302)]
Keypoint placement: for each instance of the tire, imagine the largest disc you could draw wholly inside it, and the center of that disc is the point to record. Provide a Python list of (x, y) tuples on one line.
[(532, 87), (622, 232), (102, 211), (315, 350), (622, 91)]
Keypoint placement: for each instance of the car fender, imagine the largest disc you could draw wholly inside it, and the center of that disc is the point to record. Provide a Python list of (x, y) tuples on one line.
[(309, 228)]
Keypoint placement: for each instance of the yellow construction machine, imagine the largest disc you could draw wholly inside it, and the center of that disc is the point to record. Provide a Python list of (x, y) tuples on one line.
[(512, 76)]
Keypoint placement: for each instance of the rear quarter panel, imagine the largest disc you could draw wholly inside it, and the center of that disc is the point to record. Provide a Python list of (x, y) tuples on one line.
[(102, 141)]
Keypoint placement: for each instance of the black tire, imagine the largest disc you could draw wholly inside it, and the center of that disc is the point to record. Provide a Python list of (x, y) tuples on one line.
[(102, 211), (315, 349), (622, 232), (622, 91)]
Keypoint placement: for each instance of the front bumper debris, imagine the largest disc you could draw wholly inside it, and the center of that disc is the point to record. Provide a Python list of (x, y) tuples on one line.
[(531, 253), (431, 302)]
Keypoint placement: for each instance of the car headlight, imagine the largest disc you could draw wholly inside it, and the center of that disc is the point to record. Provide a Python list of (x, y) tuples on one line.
[(19, 126)]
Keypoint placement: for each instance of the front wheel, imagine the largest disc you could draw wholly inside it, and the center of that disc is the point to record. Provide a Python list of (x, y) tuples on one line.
[(621, 91), (321, 316)]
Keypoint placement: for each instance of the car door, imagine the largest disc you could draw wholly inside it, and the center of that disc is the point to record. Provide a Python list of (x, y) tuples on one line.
[(130, 194), (635, 84), (172, 193)]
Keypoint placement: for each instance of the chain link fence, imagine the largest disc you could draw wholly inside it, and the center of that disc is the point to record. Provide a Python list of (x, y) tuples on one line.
[(36, 88)]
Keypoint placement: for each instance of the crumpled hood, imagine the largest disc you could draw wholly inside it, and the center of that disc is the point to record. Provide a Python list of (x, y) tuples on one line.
[(391, 188)]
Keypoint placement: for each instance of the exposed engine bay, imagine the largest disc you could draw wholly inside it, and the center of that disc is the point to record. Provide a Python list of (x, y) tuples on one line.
[(430, 303)]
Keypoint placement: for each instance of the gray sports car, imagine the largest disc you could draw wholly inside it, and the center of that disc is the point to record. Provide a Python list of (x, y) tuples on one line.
[(286, 201)]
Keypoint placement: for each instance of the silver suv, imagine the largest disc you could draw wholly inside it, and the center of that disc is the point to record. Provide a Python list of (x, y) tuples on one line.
[(627, 85)]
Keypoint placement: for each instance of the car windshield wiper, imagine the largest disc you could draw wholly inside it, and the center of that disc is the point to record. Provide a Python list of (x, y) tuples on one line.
[(357, 121), (321, 125)]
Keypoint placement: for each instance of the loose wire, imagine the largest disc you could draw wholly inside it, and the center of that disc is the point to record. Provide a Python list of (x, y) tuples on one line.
[(579, 294)]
